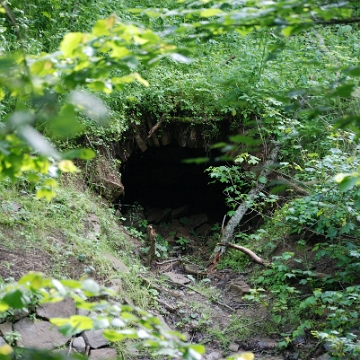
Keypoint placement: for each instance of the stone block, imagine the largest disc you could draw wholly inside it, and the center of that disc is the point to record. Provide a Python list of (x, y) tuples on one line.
[(62, 309), (79, 344), (39, 334), (95, 338), (5, 328)]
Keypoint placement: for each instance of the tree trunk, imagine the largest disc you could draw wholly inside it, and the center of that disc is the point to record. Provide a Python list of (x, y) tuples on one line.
[(228, 231)]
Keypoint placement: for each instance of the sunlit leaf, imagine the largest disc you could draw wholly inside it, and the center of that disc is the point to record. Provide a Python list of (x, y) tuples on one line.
[(45, 193), (81, 323), (73, 284), (6, 350), (198, 348), (67, 166), (129, 316), (113, 335), (59, 321), (101, 28), (51, 182), (34, 280), (210, 12), (119, 51), (3, 306), (70, 42)]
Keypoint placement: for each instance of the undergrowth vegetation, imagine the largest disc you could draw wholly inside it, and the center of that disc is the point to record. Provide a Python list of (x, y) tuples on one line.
[(272, 85)]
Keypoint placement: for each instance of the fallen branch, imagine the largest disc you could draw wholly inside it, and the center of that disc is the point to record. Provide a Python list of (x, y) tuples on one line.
[(297, 188), (229, 229), (166, 262), (248, 252), (156, 126)]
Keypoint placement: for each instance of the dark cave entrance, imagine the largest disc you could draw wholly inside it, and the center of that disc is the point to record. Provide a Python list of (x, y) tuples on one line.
[(158, 178)]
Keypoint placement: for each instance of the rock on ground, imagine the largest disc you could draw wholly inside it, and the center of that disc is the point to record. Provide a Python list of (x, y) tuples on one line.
[(215, 355), (62, 309), (39, 334), (116, 263), (177, 278), (79, 344), (95, 338), (5, 328), (106, 353)]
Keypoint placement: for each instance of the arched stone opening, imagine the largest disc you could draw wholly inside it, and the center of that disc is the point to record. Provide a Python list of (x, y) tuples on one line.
[(158, 178)]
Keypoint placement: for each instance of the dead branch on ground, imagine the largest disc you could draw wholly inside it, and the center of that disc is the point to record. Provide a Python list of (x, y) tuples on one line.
[(248, 252)]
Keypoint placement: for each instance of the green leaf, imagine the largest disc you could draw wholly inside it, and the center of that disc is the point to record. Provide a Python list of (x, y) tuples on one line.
[(45, 193), (33, 280), (84, 154), (33, 178), (119, 51), (348, 182), (70, 43), (200, 349), (51, 183), (241, 139), (287, 31), (81, 323), (3, 306), (113, 335), (73, 284), (210, 12), (353, 71), (129, 316), (357, 204), (65, 124), (191, 354), (262, 180), (16, 299), (59, 321), (344, 91)]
